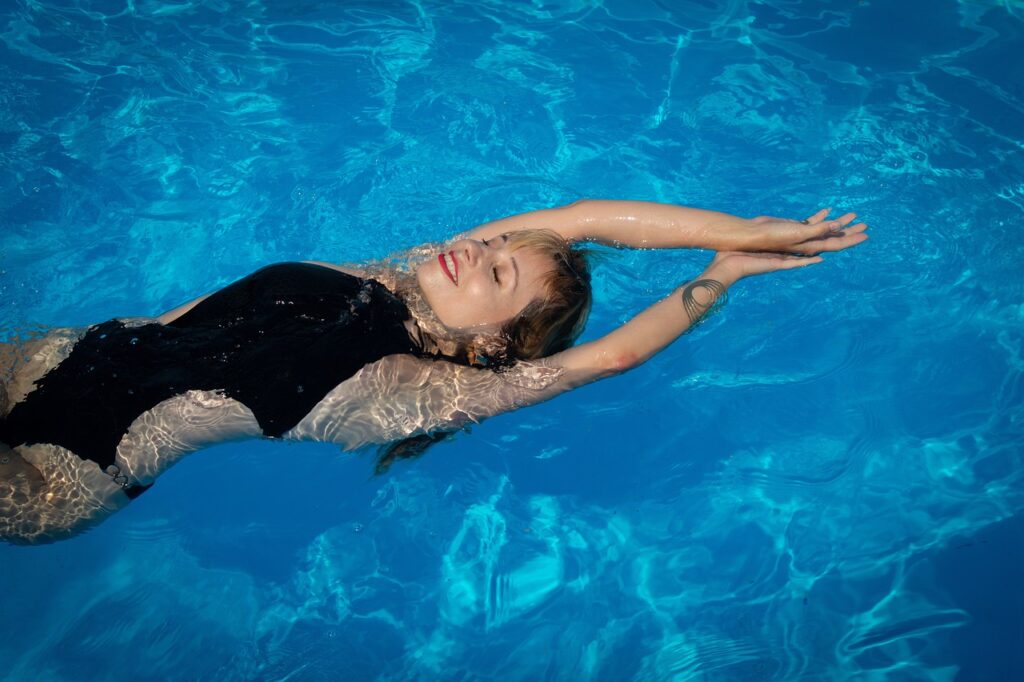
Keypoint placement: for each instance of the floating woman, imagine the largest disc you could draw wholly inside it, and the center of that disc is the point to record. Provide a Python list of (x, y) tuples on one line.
[(398, 353)]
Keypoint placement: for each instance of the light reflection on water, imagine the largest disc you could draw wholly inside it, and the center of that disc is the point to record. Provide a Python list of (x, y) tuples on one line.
[(823, 482)]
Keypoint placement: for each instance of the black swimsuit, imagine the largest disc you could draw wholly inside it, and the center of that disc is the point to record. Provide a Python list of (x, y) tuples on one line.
[(278, 341)]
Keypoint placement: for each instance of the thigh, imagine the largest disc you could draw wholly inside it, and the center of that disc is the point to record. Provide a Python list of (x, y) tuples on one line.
[(47, 493), (17, 474)]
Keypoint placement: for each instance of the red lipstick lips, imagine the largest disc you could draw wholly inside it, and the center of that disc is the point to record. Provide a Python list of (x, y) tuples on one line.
[(453, 276)]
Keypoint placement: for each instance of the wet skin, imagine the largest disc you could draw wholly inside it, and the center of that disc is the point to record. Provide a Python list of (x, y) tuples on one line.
[(493, 282)]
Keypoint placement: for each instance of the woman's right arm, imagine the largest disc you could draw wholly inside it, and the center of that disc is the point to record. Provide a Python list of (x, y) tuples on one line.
[(652, 225), (652, 330), (402, 396)]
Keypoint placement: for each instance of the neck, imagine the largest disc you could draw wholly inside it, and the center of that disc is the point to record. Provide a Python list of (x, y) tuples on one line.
[(432, 335), (425, 329)]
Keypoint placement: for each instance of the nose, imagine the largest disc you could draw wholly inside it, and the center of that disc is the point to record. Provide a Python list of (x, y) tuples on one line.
[(473, 251)]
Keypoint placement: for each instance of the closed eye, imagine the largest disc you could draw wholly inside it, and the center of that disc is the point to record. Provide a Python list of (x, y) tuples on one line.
[(494, 271)]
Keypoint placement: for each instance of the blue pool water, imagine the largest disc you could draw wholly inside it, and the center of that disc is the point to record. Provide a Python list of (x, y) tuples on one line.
[(824, 482)]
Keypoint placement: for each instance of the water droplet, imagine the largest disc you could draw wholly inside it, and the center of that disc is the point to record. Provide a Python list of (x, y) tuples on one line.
[(357, 527)]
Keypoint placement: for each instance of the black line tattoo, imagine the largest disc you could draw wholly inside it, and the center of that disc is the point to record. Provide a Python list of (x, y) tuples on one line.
[(697, 311)]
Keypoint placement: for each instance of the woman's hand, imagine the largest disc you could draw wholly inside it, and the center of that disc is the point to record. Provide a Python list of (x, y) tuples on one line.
[(735, 265), (729, 267), (807, 237)]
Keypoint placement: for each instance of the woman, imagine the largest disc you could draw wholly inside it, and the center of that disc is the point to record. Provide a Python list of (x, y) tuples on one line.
[(385, 354)]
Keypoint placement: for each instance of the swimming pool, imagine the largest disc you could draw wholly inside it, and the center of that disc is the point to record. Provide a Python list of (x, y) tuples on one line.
[(823, 482)]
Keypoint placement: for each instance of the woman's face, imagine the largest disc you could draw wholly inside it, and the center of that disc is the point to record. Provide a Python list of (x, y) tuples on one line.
[(479, 283)]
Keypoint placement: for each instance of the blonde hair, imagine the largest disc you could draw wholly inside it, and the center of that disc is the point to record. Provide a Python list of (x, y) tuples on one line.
[(546, 325), (552, 323)]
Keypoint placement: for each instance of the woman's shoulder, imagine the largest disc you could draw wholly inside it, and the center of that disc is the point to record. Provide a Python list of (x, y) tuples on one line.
[(22, 364), (354, 270)]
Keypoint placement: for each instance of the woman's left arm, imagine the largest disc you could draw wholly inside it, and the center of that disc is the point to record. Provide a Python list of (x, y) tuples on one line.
[(650, 225), (401, 396)]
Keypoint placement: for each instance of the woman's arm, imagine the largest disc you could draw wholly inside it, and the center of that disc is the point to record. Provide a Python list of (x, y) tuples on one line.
[(402, 396), (645, 224), (639, 339)]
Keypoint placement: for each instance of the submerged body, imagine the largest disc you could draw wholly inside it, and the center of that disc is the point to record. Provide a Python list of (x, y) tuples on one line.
[(277, 341), (314, 351), (296, 351)]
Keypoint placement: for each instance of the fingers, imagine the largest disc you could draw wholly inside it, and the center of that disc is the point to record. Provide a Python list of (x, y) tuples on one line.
[(825, 228), (818, 217), (792, 264), (823, 213), (831, 235), (846, 219), (817, 234), (837, 241)]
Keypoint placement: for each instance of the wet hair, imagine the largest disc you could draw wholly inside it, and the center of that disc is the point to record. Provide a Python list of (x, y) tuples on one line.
[(549, 324), (546, 326)]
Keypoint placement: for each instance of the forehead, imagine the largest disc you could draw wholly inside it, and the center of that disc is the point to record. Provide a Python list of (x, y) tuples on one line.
[(534, 266), (534, 262)]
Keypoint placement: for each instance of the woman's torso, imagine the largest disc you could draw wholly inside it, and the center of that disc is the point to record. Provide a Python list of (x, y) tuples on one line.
[(252, 359)]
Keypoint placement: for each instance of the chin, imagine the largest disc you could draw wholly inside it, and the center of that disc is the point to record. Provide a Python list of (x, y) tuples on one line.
[(426, 279), (428, 283)]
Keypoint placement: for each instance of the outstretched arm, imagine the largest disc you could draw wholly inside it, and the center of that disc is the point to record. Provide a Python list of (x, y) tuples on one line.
[(652, 330), (650, 225), (659, 325), (401, 396)]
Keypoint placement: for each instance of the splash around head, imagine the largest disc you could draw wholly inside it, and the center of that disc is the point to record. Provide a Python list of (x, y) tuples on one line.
[(521, 295)]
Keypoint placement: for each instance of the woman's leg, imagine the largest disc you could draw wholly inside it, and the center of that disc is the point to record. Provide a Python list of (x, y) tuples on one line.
[(20, 484), (13, 467), (47, 494)]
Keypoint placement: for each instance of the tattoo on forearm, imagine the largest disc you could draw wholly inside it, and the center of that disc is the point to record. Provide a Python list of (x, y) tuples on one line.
[(712, 297)]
